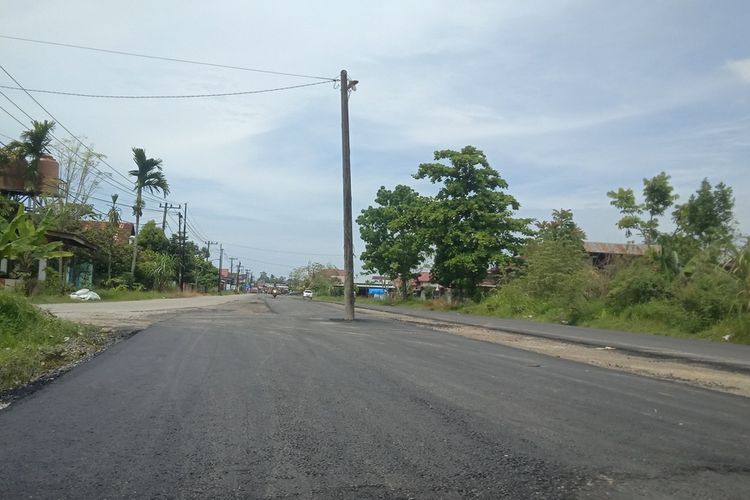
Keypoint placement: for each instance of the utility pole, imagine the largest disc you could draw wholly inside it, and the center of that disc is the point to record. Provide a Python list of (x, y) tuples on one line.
[(179, 240), (221, 259), (184, 244), (237, 284), (346, 86), (208, 248), (231, 268), (167, 206)]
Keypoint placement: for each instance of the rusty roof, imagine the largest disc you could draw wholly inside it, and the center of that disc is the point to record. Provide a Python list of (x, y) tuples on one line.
[(619, 248)]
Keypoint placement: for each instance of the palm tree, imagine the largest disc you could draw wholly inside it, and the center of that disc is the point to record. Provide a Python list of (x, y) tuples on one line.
[(148, 175), (34, 143), (113, 214)]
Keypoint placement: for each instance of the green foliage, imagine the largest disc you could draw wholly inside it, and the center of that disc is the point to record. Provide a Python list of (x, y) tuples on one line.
[(710, 292), (22, 239), (31, 341), (658, 197), (470, 222), (561, 227), (152, 238), (149, 176), (33, 144), (636, 282), (707, 217), (393, 232), (157, 269)]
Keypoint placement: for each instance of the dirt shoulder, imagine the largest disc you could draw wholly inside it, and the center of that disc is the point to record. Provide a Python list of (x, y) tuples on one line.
[(693, 373), (137, 314)]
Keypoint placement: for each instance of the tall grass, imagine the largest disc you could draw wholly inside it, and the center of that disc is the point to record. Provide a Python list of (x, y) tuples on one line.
[(33, 342)]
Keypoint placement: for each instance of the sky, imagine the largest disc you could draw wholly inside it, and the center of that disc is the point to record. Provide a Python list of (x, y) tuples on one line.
[(568, 100)]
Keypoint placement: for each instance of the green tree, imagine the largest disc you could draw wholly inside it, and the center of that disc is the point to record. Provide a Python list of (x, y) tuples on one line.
[(643, 217), (395, 239), (113, 214), (152, 238), (707, 217), (562, 228), (148, 175), (470, 222)]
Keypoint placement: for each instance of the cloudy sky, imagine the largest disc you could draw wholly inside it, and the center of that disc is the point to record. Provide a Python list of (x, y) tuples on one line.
[(568, 99)]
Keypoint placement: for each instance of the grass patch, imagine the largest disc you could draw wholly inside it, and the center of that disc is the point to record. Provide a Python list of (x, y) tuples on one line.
[(33, 342)]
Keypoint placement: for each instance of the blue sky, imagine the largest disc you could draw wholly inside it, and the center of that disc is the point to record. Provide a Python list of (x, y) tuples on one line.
[(568, 99)]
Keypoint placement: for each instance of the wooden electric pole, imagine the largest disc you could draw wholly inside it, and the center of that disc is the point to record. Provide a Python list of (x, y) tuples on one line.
[(346, 86)]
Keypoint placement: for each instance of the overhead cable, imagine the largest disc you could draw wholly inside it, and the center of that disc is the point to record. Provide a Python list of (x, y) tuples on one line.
[(162, 58), (152, 198), (174, 96)]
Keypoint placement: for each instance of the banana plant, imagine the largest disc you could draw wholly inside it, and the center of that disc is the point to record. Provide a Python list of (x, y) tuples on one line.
[(21, 238)]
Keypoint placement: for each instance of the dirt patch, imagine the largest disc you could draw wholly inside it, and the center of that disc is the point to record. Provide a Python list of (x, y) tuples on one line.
[(679, 371)]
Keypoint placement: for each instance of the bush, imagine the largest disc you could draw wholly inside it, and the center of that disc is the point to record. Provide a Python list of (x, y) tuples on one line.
[(640, 281), (710, 292)]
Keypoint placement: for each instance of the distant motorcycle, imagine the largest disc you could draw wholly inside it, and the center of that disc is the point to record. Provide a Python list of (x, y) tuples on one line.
[(274, 292)]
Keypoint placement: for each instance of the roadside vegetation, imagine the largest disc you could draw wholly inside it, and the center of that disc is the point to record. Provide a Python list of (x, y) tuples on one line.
[(118, 268), (34, 343), (693, 281)]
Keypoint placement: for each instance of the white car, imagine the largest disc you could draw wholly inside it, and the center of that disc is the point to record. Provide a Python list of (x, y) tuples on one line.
[(307, 294)]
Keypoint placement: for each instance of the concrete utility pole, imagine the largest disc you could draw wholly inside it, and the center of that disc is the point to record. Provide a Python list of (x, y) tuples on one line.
[(237, 283), (346, 86), (221, 259), (179, 240), (231, 268), (208, 248), (167, 206)]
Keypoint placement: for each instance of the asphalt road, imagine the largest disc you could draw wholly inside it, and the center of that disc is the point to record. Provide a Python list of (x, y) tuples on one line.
[(242, 401)]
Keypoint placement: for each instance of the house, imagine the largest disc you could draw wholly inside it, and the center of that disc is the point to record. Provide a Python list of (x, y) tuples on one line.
[(334, 274), (78, 272), (601, 254), (125, 230)]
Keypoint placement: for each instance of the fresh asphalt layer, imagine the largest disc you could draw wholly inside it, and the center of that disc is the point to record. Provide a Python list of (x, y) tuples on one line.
[(244, 400), (720, 354)]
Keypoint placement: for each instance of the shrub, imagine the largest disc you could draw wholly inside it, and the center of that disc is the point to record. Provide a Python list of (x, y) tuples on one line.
[(640, 281), (710, 292)]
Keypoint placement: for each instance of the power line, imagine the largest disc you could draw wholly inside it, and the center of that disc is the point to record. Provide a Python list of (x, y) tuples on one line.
[(161, 58), (105, 176), (176, 96), (64, 127), (285, 251)]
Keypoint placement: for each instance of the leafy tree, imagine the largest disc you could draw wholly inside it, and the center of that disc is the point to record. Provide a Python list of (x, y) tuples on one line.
[(561, 228), (658, 197), (395, 239), (470, 222), (148, 175), (707, 217), (152, 238)]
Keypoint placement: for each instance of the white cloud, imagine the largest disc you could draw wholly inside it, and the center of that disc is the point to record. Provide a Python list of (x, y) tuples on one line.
[(741, 69)]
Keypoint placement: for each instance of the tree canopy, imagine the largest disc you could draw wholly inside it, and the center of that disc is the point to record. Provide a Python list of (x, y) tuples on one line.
[(395, 240), (470, 222)]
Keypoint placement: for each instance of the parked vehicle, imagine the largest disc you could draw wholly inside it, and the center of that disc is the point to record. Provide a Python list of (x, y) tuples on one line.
[(307, 294)]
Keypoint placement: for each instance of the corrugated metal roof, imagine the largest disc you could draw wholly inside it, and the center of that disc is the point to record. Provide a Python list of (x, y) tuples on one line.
[(619, 248)]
